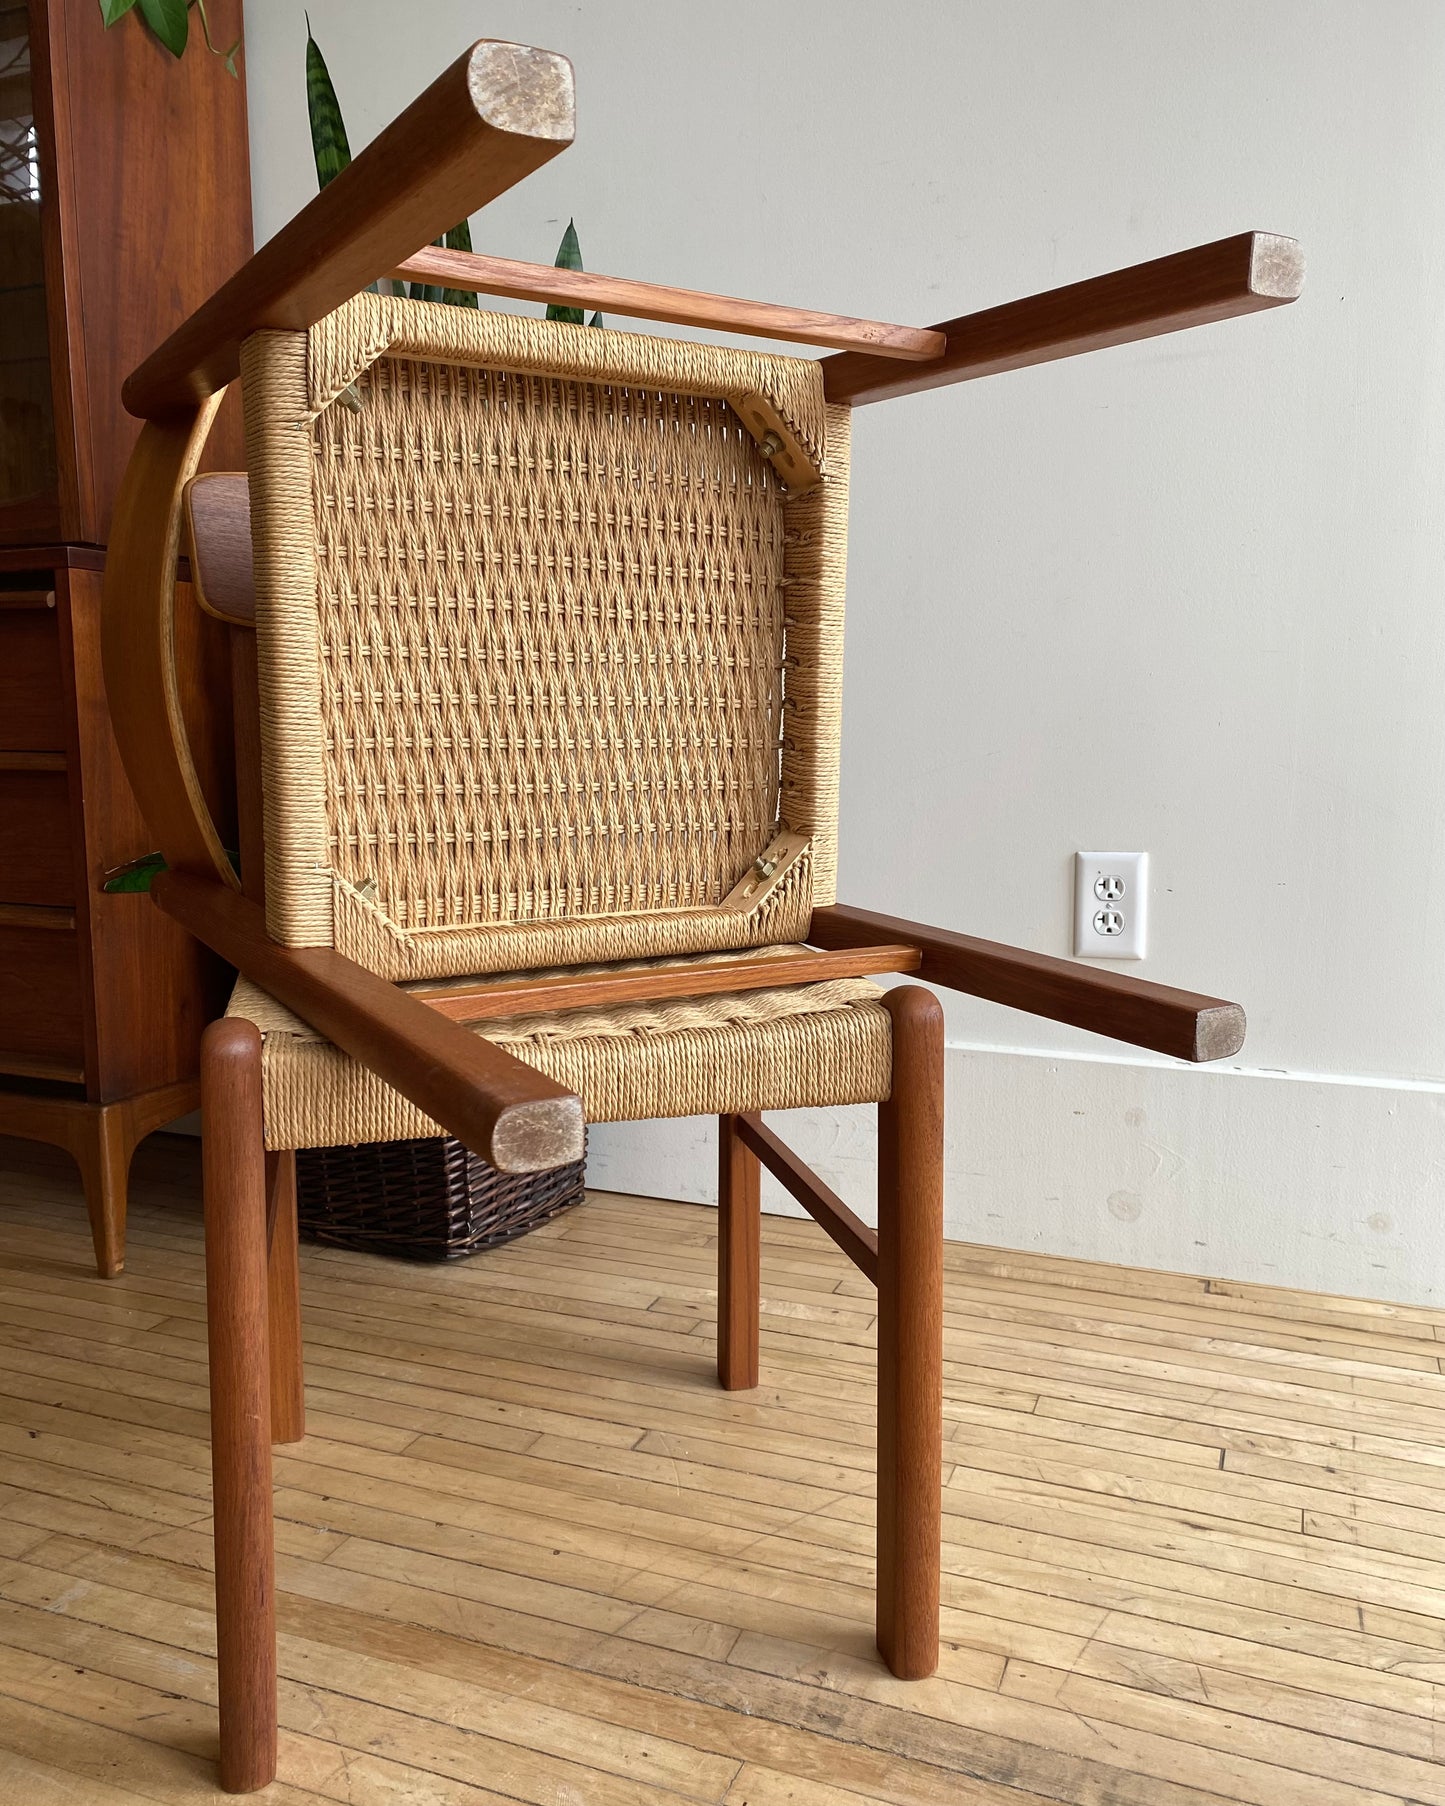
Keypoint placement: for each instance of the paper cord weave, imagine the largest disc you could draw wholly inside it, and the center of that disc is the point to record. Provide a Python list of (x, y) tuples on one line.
[(547, 653)]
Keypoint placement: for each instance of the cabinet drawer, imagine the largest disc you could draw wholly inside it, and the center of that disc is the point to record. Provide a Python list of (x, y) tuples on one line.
[(35, 855), (32, 710), (40, 1000)]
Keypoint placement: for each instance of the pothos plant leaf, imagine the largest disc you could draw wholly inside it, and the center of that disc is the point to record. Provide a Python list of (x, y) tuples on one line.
[(329, 144), (228, 57), (169, 20), (141, 874), (569, 257)]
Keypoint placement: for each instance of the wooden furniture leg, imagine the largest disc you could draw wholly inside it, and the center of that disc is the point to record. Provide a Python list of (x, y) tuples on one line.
[(102, 1144), (234, 1173), (739, 1269), (283, 1297), (100, 1138), (910, 1337)]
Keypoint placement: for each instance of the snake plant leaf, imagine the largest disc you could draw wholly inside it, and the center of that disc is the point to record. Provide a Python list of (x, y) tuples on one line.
[(460, 239), (329, 144), (597, 320), (569, 257), (111, 10), (169, 20), (427, 291)]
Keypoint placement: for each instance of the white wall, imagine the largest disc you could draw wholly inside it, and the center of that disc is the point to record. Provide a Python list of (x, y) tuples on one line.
[(1187, 596)]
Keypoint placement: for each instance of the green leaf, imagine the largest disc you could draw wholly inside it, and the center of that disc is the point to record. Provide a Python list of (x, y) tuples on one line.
[(569, 257), (569, 252), (459, 239), (111, 10), (328, 129), (140, 874), (169, 20), (597, 320)]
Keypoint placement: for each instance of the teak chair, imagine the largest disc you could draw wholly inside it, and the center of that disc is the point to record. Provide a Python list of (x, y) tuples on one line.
[(541, 691)]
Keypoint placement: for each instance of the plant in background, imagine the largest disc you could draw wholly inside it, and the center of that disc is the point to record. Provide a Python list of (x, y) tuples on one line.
[(332, 151), (170, 21), (569, 257)]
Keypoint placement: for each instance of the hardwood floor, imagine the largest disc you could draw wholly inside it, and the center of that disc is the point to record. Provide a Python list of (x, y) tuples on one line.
[(529, 1551)]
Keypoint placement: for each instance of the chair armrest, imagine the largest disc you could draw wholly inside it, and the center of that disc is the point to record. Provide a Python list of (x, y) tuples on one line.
[(499, 112), (1236, 275), (1180, 1023), (508, 1112)]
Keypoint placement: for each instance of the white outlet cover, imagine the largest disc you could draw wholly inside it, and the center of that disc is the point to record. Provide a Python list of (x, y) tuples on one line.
[(1111, 905)]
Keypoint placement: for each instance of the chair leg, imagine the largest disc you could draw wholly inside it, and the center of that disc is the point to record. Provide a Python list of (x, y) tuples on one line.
[(738, 1259), (283, 1296), (233, 1165), (910, 1337)]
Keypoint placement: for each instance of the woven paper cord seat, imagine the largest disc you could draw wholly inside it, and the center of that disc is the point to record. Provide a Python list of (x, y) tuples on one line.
[(809, 1045), (548, 654)]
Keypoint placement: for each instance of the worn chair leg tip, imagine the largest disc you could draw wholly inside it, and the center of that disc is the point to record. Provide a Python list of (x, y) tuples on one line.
[(910, 1665), (246, 1780)]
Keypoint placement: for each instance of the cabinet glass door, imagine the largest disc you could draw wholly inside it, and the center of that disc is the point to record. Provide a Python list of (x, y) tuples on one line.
[(27, 420)]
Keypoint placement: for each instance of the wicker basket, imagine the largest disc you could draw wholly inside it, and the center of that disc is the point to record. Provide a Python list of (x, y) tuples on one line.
[(423, 1200)]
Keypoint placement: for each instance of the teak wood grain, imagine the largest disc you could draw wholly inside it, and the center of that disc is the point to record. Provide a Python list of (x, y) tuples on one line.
[(909, 1273), (509, 1113), (822, 1203), (216, 508), (101, 1139), (674, 306), (498, 113), (1237, 275), (283, 1301), (482, 1001), (138, 642), (237, 1311), (739, 1273), (149, 989), (133, 239), (1180, 1023)]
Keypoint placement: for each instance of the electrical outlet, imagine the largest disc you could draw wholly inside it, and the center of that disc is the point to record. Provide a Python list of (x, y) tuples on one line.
[(1111, 905)]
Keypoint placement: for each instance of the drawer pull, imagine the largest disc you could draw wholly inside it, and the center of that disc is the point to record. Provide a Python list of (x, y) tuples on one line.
[(27, 598)]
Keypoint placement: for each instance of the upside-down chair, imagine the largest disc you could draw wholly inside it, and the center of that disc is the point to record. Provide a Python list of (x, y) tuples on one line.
[(537, 652)]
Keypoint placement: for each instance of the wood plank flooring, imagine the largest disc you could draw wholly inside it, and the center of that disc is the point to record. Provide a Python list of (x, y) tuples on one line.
[(1195, 1532)]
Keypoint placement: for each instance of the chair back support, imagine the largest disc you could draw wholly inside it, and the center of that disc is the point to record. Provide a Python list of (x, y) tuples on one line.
[(549, 630)]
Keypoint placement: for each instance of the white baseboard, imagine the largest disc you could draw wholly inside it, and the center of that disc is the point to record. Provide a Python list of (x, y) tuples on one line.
[(1304, 1180)]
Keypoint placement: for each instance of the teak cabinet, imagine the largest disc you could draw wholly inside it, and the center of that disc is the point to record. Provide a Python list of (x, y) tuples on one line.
[(124, 201)]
